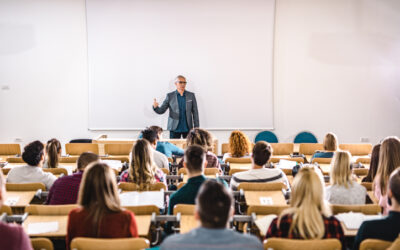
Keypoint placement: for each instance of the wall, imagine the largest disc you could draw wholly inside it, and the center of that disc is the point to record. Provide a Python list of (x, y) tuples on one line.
[(336, 68)]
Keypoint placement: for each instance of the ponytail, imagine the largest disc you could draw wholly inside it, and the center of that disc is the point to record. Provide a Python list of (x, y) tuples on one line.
[(53, 147)]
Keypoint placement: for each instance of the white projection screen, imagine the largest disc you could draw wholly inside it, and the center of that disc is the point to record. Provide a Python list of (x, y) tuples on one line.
[(137, 47)]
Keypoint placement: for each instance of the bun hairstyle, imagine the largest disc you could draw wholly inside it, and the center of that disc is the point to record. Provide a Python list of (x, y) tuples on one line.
[(53, 149), (33, 153), (200, 137)]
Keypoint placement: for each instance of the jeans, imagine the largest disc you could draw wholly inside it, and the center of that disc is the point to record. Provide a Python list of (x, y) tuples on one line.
[(177, 135)]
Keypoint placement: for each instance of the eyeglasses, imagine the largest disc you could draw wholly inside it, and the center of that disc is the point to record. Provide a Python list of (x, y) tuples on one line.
[(181, 82)]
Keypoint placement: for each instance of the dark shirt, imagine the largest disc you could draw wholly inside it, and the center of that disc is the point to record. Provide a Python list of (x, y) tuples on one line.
[(169, 149), (65, 190), (333, 229), (182, 125), (387, 229), (13, 237), (322, 154)]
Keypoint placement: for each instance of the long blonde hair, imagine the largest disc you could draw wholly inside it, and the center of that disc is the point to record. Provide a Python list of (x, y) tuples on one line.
[(389, 160), (307, 205), (239, 144), (331, 142), (98, 193), (340, 169), (142, 169)]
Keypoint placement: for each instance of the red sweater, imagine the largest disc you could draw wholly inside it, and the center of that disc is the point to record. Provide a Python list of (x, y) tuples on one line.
[(113, 225)]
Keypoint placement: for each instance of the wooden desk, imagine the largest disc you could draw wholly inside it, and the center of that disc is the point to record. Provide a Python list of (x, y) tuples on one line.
[(62, 225), (253, 197), (372, 197), (143, 222), (188, 222), (348, 232), (25, 197)]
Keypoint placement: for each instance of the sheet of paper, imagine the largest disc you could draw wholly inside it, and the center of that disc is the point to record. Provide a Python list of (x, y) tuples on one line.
[(264, 223), (43, 227), (142, 198), (266, 201), (285, 164), (115, 164), (12, 201), (354, 220)]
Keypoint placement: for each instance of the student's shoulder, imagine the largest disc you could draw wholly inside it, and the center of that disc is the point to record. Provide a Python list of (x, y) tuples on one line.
[(175, 240), (246, 238)]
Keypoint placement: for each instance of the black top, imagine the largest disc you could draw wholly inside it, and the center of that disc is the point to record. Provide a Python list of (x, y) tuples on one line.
[(387, 229)]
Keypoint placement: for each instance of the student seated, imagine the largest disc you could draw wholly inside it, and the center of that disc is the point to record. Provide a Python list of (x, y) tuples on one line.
[(330, 146), (389, 160), (239, 146), (258, 172), (167, 148), (214, 207), (33, 155), (53, 155), (65, 189), (387, 228), (343, 190), (142, 169), (160, 159), (309, 216), (373, 166), (100, 214), (202, 138), (195, 163), (13, 236)]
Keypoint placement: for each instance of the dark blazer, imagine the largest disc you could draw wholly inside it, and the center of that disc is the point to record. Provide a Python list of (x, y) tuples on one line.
[(171, 103), (387, 229)]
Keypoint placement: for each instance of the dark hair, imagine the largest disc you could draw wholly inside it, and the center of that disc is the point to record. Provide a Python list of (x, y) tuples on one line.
[(33, 153), (194, 158), (261, 153), (85, 159), (150, 135), (53, 148), (201, 137), (156, 128), (373, 167), (394, 184), (214, 203)]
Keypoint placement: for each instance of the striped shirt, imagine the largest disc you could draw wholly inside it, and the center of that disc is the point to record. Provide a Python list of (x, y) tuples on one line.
[(259, 175)]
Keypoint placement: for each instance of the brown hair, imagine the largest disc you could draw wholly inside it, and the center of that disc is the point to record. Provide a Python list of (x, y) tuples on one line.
[(53, 149), (214, 203), (201, 137), (373, 166), (239, 144), (142, 168), (261, 153), (389, 160), (330, 142), (158, 129), (85, 159), (194, 158), (394, 184), (98, 193)]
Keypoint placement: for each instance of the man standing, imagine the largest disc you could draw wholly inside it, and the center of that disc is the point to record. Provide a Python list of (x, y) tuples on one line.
[(183, 113)]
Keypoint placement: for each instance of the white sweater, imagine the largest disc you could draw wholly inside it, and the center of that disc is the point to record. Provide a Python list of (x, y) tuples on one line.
[(30, 174)]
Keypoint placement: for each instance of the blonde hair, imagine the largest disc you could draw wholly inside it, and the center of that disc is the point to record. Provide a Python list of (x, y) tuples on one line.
[(330, 142), (340, 169), (142, 168), (239, 144), (200, 137), (307, 205), (98, 193), (389, 160)]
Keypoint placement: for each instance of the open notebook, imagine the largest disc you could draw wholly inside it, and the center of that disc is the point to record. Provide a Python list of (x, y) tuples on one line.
[(142, 198), (353, 221), (264, 222)]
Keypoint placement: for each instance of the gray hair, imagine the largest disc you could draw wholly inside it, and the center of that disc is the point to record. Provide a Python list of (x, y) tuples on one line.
[(179, 76)]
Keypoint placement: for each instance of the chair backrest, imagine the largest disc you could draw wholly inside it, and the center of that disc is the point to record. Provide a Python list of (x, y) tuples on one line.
[(182, 171), (285, 244), (50, 209), (5, 209), (374, 244), (268, 186), (184, 209), (143, 210), (81, 141), (277, 159), (10, 149), (81, 243), (165, 170), (232, 171), (118, 149), (310, 148), (238, 160), (266, 210), (365, 209), (365, 160), (395, 245), (69, 159), (322, 160), (15, 160), (25, 186), (129, 186), (79, 148), (360, 171), (357, 148), (180, 184), (56, 171), (367, 185), (224, 148), (282, 148), (41, 244), (305, 137), (211, 171), (267, 136)]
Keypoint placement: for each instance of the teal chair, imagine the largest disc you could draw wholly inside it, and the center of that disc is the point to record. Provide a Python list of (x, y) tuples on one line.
[(305, 137), (267, 136)]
